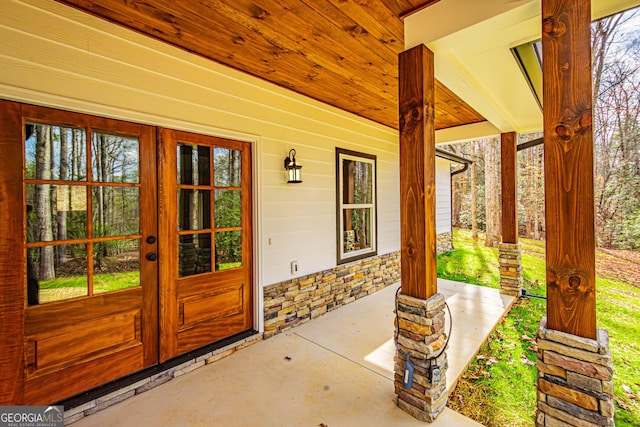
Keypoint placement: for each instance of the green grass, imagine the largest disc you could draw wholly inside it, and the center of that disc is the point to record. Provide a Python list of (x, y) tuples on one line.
[(76, 286), (229, 265), (617, 308), (64, 282), (101, 282), (499, 387)]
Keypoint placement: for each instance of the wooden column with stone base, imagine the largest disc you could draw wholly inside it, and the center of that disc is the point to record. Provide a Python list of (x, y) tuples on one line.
[(574, 362), (420, 324), (509, 251), (575, 379), (420, 314)]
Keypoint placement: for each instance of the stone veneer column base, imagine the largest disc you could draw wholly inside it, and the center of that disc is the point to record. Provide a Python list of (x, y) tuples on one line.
[(444, 242), (510, 260), (575, 379), (421, 333)]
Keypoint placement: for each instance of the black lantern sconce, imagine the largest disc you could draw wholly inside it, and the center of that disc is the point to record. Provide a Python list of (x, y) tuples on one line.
[(294, 175)]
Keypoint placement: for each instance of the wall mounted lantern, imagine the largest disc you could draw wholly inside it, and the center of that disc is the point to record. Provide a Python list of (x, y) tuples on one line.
[(294, 175)]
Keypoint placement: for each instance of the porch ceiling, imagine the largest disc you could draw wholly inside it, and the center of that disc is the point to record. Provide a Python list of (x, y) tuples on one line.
[(345, 52)]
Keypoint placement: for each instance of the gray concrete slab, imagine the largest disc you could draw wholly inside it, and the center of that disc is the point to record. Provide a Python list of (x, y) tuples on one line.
[(335, 370)]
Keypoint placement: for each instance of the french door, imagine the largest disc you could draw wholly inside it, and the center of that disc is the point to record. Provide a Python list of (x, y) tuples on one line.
[(106, 269), (91, 275), (205, 224)]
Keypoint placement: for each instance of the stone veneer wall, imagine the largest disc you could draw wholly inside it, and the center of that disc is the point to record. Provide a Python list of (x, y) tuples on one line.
[(420, 333), (79, 412), (510, 261), (575, 379), (444, 242), (296, 301)]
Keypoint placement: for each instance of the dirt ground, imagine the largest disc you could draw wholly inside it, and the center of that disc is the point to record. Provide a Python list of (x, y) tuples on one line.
[(621, 265), (613, 264)]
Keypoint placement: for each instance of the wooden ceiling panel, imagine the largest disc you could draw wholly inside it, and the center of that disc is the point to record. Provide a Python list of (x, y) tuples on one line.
[(344, 53)]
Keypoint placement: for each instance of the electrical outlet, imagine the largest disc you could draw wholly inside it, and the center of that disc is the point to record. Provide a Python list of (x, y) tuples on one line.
[(294, 267)]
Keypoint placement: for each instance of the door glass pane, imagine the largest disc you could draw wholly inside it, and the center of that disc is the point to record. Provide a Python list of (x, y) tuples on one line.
[(115, 158), (228, 249), (227, 167), (227, 208), (357, 182), (55, 152), (59, 212), (116, 265), (194, 209), (194, 254), (116, 211), (56, 212), (357, 229), (56, 273), (193, 164)]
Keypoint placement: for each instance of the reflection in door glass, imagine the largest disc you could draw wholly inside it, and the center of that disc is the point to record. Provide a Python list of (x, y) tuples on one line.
[(62, 196), (56, 212), (227, 208), (227, 167), (115, 211), (194, 209), (56, 273), (228, 249), (193, 164), (194, 254), (115, 158), (55, 153), (116, 265)]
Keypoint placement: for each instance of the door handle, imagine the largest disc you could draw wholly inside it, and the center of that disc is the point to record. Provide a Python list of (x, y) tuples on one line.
[(152, 256)]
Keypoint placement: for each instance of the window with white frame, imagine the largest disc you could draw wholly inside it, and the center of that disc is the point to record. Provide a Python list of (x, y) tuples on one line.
[(356, 205)]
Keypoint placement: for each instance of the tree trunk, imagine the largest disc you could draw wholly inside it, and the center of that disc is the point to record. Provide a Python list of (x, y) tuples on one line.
[(42, 202), (538, 194), (456, 199), (100, 153), (474, 213), (528, 194), (492, 192), (63, 204)]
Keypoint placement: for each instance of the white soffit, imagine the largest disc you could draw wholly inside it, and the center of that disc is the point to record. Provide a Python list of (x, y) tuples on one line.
[(466, 132), (472, 43)]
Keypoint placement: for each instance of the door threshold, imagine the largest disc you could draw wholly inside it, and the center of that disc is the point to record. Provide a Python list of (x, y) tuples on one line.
[(103, 390)]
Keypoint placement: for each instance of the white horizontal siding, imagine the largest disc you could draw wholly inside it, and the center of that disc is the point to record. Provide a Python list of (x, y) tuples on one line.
[(57, 56), (443, 196)]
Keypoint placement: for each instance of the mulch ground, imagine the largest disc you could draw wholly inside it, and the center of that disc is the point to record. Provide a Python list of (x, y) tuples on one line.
[(620, 265), (614, 264)]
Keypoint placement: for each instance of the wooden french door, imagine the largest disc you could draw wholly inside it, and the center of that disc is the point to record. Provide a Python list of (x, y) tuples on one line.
[(205, 240), (90, 227), (104, 268)]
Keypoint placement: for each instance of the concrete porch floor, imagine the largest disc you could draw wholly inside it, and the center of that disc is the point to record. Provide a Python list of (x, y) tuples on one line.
[(336, 370)]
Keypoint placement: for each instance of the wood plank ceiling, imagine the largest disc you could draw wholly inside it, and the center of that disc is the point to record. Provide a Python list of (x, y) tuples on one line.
[(341, 52)]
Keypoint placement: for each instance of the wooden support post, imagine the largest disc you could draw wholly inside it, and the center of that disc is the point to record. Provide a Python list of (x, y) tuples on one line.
[(508, 165), (568, 159), (509, 251), (417, 173)]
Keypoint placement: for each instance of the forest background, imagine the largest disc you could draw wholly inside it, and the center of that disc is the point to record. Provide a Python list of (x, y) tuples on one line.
[(616, 120)]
